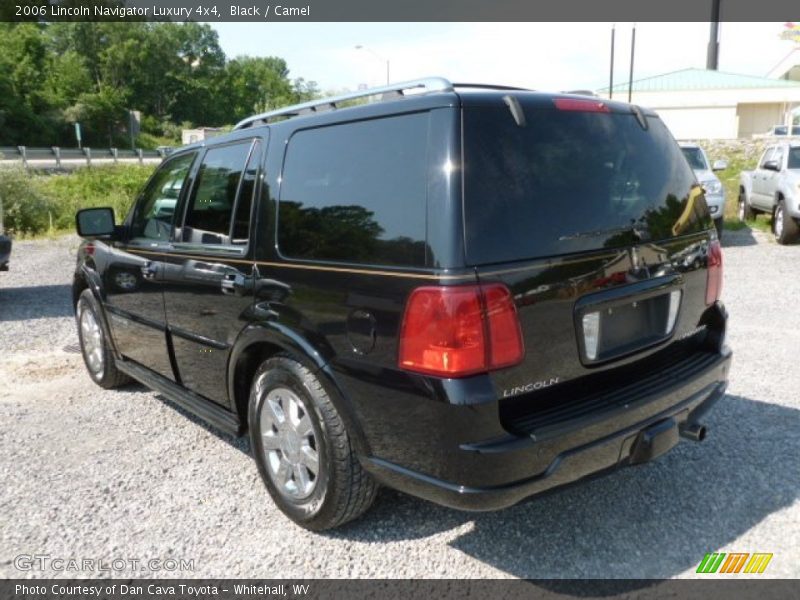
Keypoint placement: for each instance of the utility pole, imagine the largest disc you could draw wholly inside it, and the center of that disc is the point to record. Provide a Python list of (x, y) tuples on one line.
[(630, 73), (712, 59), (611, 67)]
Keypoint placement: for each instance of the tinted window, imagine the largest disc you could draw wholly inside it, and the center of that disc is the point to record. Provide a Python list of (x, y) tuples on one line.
[(695, 158), (156, 206), (244, 204), (794, 158), (356, 192), (208, 218), (570, 181)]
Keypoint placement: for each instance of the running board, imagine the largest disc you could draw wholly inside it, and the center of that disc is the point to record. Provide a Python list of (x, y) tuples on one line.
[(194, 403)]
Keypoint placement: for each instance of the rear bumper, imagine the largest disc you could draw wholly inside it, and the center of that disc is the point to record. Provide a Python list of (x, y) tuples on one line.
[(567, 454)]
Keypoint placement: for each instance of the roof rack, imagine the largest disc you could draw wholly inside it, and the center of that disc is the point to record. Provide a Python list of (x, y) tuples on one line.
[(489, 86), (427, 85)]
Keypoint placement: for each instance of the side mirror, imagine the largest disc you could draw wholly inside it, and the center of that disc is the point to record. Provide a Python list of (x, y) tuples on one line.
[(95, 222), (719, 165), (771, 165)]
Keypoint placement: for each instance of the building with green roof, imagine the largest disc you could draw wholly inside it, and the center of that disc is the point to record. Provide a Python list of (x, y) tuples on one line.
[(706, 104)]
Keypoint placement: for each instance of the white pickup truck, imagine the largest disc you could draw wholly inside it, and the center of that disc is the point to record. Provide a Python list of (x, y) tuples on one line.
[(774, 188)]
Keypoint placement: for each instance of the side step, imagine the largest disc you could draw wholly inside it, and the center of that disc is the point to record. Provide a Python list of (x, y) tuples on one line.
[(194, 403)]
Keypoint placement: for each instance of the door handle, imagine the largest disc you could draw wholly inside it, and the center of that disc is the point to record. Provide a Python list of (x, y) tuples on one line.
[(237, 284), (149, 270)]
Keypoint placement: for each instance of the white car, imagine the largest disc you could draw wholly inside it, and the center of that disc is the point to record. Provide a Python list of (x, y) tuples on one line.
[(714, 192), (774, 188)]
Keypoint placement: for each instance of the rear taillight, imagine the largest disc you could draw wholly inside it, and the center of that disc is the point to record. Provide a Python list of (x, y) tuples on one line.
[(457, 331), (581, 105), (714, 281)]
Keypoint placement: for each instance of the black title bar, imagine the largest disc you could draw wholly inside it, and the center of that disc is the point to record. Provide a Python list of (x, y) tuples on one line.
[(277, 11)]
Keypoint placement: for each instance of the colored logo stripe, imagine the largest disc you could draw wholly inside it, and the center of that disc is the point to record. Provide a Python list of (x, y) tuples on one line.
[(713, 562), (734, 563), (758, 563)]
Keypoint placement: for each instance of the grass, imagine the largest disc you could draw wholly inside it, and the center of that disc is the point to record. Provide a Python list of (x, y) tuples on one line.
[(38, 205), (740, 158)]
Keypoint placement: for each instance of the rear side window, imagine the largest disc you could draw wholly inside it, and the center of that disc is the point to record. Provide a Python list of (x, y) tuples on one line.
[(571, 181), (210, 212), (356, 192)]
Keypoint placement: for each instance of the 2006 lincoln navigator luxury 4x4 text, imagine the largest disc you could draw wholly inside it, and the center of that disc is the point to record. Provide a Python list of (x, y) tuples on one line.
[(468, 293)]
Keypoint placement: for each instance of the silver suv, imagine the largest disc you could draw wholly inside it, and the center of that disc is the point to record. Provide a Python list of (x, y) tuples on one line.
[(715, 192)]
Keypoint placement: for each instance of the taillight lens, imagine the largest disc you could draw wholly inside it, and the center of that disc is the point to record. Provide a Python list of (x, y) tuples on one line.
[(456, 331), (714, 281)]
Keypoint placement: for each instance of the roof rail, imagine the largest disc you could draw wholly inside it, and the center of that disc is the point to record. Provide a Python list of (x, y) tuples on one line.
[(427, 85), (490, 86)]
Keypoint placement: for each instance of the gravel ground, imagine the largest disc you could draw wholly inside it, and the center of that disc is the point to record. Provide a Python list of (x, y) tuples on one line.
[(105, 475)]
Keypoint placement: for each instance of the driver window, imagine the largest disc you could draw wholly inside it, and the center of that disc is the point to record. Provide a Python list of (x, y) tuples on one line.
[(154, 214)]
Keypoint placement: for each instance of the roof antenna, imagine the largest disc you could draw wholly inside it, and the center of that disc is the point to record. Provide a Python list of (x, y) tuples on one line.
[(516, 110)]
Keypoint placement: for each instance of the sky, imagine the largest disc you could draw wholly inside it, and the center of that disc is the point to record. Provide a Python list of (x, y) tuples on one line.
[(543, 56)]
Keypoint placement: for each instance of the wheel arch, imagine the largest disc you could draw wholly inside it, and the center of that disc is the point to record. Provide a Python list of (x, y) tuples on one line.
[(259, 342)]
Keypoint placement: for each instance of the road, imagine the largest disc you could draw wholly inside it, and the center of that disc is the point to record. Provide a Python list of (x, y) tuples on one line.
[(128, 475)]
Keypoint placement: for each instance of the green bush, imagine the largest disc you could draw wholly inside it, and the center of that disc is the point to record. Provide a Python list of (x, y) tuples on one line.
[(114, 186), (26, 211)]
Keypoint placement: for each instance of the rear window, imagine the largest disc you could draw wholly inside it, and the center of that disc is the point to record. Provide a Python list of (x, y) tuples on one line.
[(570, 181)]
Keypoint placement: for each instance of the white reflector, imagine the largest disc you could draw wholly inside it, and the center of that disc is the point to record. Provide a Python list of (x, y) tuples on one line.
[(591, 334), (674, 304)]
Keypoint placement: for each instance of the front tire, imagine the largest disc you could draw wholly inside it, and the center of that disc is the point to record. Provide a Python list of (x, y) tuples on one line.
[(745, 211), (784, 226), (95, 348), (303, 452), (720, 225)]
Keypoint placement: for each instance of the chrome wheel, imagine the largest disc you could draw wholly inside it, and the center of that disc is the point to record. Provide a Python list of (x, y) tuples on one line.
[(92, 342), (779, 220), (289, 443), (741, 209)]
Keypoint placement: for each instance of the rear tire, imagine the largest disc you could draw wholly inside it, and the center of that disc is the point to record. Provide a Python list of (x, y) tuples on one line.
[(95, 347), (302, 449), (784, 226)]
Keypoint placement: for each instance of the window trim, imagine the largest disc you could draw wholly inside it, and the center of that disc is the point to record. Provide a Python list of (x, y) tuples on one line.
[(229, 248), (339, 263)]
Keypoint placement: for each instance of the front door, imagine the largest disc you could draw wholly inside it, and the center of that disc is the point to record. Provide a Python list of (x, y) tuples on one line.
[(208, 267), (133, 278)]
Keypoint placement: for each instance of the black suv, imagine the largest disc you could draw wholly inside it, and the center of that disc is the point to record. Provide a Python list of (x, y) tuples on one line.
[(468, 293)]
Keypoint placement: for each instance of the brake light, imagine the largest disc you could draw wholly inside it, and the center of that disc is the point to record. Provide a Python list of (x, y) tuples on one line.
[(456, 331), (714, 280), (88, 248), (581, 105)]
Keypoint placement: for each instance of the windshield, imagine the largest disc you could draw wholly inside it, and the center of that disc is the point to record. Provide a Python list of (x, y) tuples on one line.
[(570, 181), (695, 158), (794, 158)]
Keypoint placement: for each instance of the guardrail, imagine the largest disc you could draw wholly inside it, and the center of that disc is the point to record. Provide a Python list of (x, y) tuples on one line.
[(75, 157)]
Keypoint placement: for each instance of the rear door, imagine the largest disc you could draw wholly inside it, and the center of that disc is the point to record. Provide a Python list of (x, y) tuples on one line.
[(592, 218), (208, 270)]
